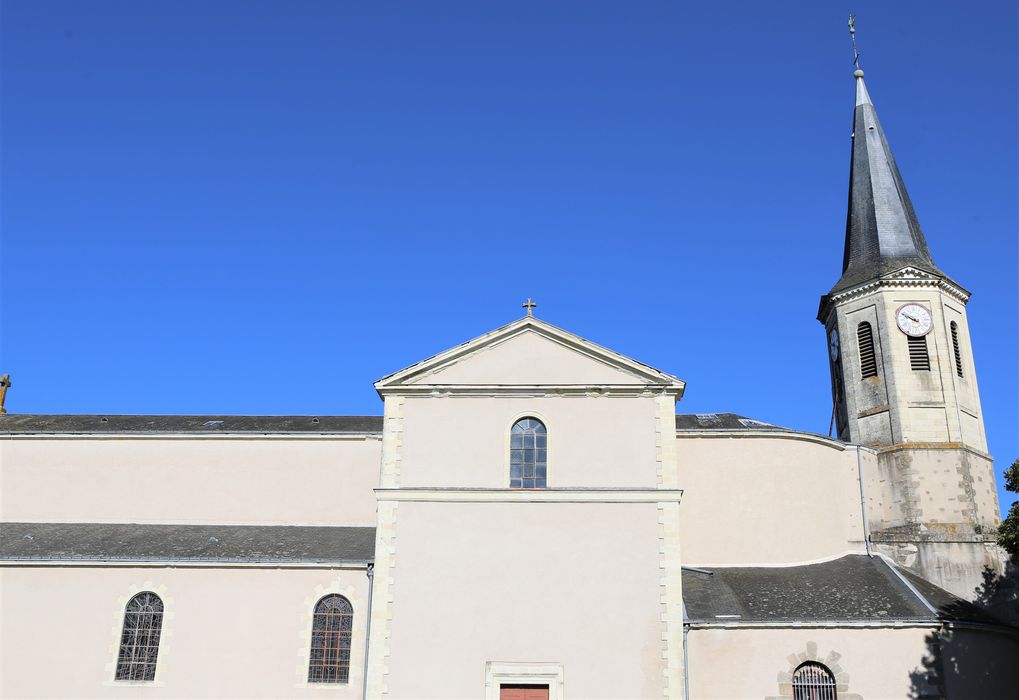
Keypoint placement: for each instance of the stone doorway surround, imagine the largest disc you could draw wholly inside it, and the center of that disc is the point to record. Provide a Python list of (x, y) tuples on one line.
[(497, 673), (831, 660)]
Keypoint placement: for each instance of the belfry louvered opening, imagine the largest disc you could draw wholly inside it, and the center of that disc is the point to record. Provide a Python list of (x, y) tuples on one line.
[(955, 347), (918, 357), (865, 341)]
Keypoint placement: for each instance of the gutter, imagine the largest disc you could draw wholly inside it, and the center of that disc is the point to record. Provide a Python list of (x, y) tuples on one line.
[(157, 563), (370, 571), (815, 624)]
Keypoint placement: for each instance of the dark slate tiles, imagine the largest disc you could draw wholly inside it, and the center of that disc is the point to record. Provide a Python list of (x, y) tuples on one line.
[(854, 587), (229, 543), (90, 424)]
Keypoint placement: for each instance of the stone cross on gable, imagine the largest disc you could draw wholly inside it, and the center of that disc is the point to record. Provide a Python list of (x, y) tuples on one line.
[(530, 306)]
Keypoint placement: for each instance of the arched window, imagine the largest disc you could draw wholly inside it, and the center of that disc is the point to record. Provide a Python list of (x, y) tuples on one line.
[(813, 681), (139, 642), (528, 454), (865, 341), (331, 631), (955, 346)]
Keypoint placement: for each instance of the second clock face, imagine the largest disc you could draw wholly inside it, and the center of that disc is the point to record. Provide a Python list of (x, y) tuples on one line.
[(914, 320), (833, 344)]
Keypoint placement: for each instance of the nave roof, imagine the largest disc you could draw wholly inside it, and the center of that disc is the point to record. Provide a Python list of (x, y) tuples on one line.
[(71, 424), (131, 542)]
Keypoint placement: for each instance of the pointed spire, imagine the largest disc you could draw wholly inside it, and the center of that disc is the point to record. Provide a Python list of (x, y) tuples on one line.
[(882, 231)]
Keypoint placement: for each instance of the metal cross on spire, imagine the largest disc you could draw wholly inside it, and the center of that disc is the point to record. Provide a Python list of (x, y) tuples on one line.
[(852, 36), (530, 306)]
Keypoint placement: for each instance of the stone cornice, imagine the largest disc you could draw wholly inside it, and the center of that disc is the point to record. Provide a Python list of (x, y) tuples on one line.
[(580, 495), (932, 446), (905, 278), (532, 390)]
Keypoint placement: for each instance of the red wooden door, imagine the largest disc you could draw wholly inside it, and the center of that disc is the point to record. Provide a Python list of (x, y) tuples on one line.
[(523, 692)]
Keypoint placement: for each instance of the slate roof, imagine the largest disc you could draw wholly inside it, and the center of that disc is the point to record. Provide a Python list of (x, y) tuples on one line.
[(948, 606), (261, 425), (854, 588), (721, 421), (212, 543), (882, 231), (72, 424)]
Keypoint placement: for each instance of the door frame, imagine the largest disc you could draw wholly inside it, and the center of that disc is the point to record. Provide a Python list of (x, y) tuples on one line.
[(535, 673)]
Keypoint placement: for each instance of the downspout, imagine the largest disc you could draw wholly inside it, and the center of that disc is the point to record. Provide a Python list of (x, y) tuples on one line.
[(863, 502), (686, 632), (370, 571), (686, 655), (686, 663)]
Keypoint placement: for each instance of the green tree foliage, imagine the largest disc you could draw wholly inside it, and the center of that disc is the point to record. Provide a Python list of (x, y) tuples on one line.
[(1008, 531)]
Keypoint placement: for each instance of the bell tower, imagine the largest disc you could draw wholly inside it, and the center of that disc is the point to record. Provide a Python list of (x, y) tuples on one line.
[(903, 375)]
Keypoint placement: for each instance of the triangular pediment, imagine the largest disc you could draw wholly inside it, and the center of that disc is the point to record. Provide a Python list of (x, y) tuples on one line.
[(529, 353)]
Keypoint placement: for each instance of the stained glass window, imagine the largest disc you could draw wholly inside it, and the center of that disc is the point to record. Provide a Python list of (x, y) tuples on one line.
[(139, 642), (528, 454), (331, 632)]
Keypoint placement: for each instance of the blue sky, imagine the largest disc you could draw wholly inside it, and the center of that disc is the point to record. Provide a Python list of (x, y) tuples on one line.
[(262, 207)]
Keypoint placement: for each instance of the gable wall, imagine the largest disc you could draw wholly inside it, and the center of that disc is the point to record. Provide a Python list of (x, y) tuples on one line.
[(527, 358)]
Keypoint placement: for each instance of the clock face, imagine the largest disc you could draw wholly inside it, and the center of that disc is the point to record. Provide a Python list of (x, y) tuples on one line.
[(833, 344), (913, 320)]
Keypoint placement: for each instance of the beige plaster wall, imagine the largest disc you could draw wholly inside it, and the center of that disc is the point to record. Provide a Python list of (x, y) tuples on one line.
[(464, 441), (979, 664), (737, 663), (227, 633), (767, 500), (564, 583), (263, 481)]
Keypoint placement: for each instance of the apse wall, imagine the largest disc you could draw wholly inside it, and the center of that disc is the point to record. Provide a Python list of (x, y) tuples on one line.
[(767, 498)]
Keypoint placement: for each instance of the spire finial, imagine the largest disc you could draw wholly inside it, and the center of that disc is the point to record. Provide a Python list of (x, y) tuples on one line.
[(530, 306), (856, 51)]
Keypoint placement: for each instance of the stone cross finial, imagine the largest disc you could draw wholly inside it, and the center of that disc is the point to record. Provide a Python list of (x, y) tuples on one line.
[(852, 35), (530, 306), (5, 384)]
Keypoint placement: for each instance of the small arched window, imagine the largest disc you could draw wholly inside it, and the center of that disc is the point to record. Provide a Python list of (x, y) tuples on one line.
[(331, 631), (813, 681), (528, 454), (865, 341), (955, 346), (139, 641)]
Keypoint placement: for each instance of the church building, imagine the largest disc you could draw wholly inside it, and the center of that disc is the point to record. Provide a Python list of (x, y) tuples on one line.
[(530, 518)]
